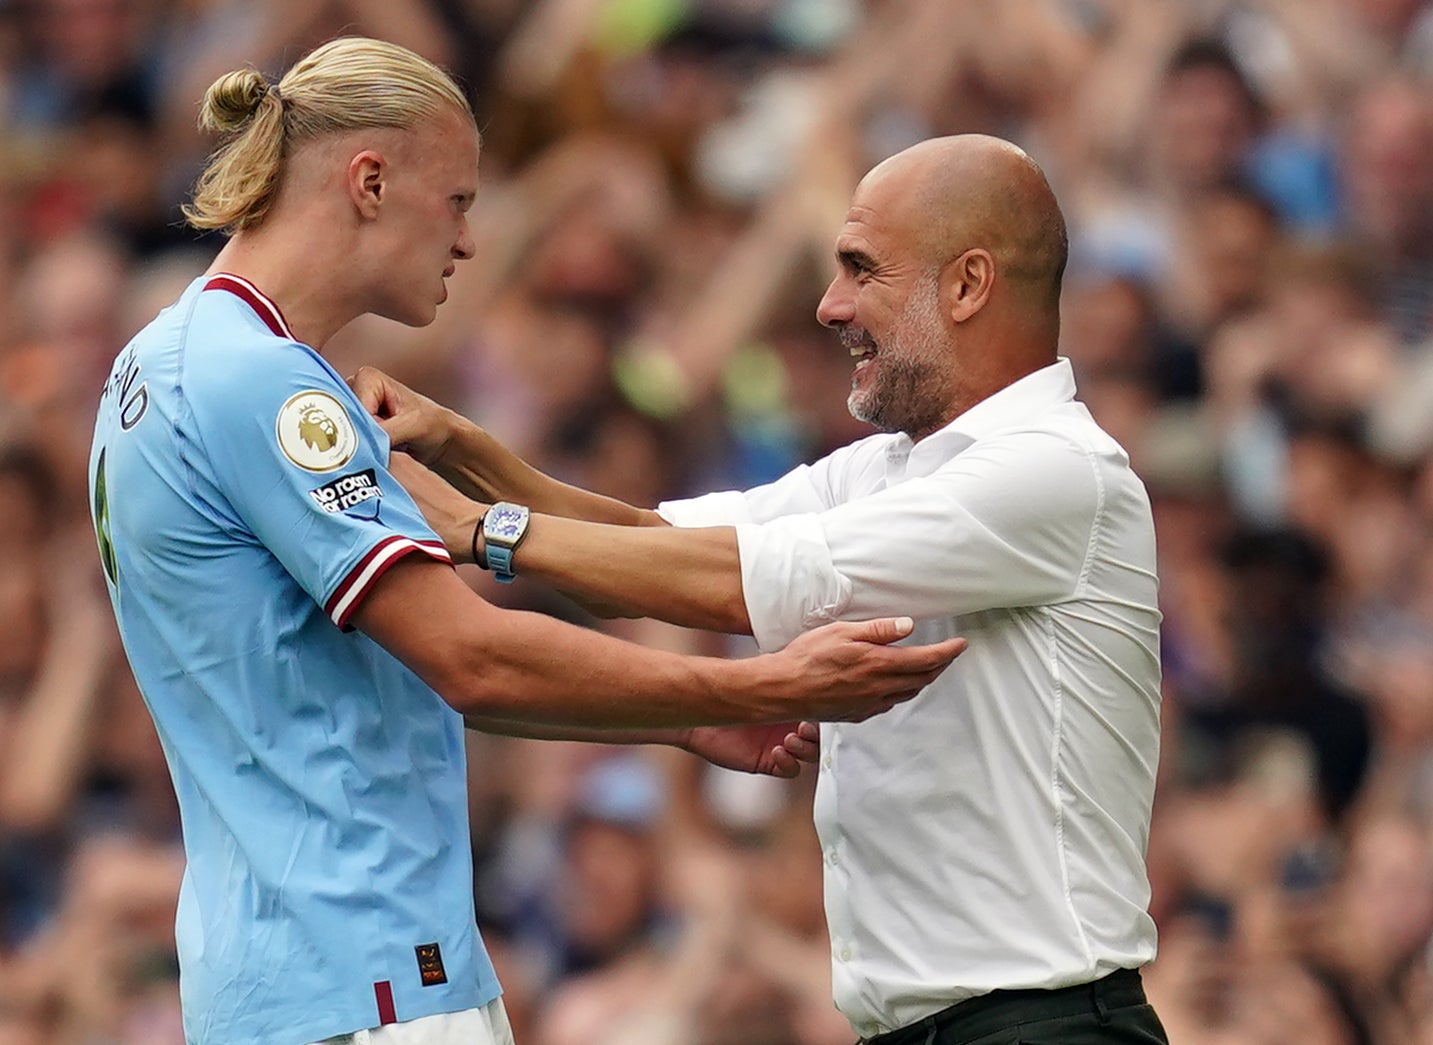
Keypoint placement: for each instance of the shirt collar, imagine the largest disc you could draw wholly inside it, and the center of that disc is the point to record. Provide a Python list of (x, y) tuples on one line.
[(256, 299), (1016, 403)]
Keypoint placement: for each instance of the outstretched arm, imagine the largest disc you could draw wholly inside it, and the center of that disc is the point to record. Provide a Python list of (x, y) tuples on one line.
[(769, 750), (476, 463), (1005, 524), (690, 577), (525, 667)]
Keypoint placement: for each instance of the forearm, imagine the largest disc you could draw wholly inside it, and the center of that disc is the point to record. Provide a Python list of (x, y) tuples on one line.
[(527, 672), (688, 577), (672, 737), (527, 667), (480, 466), (513, 666), (685, 576)]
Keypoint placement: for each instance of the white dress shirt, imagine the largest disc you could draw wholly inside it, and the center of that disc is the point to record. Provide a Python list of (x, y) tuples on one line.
[(991, 832)]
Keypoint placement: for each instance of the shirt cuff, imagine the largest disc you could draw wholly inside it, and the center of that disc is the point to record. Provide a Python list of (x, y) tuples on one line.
[(788, 580), (726, 508), (361, 579)]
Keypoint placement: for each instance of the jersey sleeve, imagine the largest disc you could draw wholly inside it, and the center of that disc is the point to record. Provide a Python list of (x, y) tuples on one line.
[(304, 469)]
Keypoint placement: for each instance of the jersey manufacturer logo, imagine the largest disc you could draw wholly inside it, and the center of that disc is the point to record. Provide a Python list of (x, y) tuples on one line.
[(430, 964), (347, 491), (315, 433)]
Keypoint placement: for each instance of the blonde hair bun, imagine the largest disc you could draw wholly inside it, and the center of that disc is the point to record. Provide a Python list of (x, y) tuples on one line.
[(232, 100)]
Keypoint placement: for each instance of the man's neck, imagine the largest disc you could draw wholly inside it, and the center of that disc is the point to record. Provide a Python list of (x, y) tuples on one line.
[(971, 393), (296, 277)]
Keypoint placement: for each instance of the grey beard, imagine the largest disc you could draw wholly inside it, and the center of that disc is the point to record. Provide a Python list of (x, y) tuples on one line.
[(901, 400)]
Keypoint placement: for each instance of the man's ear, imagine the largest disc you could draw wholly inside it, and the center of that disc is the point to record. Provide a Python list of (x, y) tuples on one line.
[(966, 283), (367, 172)]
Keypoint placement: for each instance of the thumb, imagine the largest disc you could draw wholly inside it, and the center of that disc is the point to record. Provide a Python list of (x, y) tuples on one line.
[(401, 428), (401, 464), (884, 630)]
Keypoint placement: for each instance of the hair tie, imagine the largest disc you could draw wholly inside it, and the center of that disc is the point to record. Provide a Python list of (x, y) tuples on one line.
[(274, 90)]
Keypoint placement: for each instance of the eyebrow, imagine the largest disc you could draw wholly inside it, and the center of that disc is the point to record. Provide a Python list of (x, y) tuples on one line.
[(855, 260)]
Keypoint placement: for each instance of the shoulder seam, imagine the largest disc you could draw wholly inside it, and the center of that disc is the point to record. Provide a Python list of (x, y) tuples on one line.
[(182, 412), (1096, 523)]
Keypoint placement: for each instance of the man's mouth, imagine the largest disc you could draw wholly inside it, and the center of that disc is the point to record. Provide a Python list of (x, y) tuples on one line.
[(859, 344)]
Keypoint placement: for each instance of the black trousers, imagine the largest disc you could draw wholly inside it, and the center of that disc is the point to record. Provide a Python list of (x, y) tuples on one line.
[(1109, 1011)]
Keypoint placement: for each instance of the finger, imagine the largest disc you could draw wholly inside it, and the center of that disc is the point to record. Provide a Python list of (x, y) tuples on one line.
[(402, 428), (809, 731), (920, 681), (368, 386), (782, 764), (799, 745), (935, 657), (801, 749), (884, 630)]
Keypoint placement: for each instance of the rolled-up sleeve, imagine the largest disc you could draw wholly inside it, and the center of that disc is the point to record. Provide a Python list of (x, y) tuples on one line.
[(788, 578), (803, 489), (1008, 523), (726, 508)]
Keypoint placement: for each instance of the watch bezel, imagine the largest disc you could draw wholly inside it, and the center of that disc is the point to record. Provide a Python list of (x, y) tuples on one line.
[(506, 524)]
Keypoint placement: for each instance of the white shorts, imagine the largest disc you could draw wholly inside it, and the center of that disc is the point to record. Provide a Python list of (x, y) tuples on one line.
[(485, 1026)]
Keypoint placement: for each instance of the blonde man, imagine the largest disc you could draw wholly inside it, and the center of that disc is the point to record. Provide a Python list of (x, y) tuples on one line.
[(306, 650)]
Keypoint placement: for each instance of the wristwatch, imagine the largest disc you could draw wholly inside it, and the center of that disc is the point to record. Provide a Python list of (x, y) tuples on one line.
[(504, 527)]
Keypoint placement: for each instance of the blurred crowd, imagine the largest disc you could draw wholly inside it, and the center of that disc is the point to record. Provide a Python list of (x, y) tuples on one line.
[(1249, 310)]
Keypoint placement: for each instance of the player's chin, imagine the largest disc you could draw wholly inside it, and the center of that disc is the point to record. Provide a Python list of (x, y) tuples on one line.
[(413, 314)]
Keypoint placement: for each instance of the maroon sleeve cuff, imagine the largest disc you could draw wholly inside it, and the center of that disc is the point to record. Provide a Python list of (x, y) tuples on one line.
[(360, 580)]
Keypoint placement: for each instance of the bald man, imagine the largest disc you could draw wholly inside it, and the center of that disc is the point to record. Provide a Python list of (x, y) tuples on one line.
[(984, 843)]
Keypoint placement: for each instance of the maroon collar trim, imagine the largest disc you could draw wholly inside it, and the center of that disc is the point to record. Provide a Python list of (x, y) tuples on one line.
[(255, 299)]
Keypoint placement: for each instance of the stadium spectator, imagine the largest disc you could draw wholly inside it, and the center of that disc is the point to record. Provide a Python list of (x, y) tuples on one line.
[(1278, 581)]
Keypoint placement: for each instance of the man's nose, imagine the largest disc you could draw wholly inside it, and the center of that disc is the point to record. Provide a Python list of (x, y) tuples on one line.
[(465, 248), (838, 304)]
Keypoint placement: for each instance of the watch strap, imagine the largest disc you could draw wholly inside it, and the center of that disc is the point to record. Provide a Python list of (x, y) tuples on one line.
[(498, 547), (500, 562)]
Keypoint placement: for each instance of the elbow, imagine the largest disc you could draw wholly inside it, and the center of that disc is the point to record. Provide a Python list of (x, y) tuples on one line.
[(483, 694), (477, 682), (602, 610), (734, 617)]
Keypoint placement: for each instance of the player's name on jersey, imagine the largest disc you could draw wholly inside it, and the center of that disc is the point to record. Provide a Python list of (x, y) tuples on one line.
[(347, 491)]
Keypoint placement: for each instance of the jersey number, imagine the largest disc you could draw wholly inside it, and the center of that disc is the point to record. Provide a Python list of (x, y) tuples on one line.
[(101, 501)]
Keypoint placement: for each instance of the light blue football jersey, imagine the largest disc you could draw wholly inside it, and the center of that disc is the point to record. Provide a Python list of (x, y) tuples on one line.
[(243, 509)]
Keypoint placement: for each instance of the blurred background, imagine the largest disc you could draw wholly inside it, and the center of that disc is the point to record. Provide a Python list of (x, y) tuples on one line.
[(1249, 310)]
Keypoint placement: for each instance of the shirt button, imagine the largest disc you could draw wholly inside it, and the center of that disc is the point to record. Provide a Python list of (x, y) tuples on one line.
[(827, 762), (831, 856), (845, 954)]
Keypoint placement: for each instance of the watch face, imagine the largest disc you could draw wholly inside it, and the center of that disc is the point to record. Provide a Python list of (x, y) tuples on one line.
[(504, 523)]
